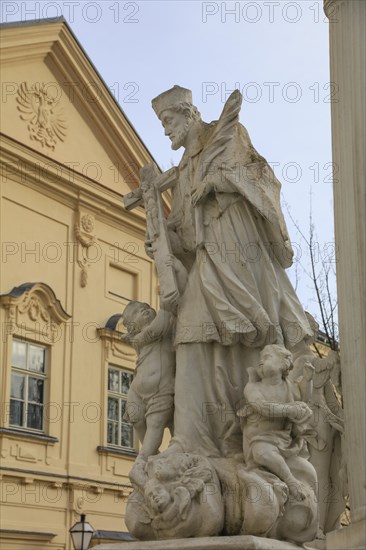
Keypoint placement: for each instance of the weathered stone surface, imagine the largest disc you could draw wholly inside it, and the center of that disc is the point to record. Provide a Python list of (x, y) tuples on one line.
[(347, 23), (246, 542), (229, 311)]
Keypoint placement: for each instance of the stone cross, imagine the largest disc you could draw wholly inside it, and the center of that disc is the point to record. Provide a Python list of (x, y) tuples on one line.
[(149, 194)]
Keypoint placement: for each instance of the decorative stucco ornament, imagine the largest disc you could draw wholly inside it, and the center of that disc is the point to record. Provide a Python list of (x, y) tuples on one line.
[(87, 223), (41, 108), (84, 235)]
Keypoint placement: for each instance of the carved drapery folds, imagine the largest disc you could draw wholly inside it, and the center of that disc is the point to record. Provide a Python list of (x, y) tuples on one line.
[(39, 104), (227, 311), (33, 307)]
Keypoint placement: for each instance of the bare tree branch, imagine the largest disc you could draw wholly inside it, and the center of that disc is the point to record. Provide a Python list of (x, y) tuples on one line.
[(321, 272)]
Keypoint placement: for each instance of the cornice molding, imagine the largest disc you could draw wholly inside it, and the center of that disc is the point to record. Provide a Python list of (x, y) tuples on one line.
[(20, 44), (55, 44), (37, 171), (71, 480), (28, 436), (19, 535)]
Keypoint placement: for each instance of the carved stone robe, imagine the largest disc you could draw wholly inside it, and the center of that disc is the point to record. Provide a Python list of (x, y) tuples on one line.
[(238, 297)]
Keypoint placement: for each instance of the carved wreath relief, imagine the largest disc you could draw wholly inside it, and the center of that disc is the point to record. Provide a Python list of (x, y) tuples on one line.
[(46, 121)]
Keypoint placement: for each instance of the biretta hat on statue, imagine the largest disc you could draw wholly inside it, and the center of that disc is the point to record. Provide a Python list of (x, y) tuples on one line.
[(171, 97)]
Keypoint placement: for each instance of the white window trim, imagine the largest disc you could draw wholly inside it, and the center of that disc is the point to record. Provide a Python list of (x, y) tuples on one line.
[(27, 373), (119, 396)]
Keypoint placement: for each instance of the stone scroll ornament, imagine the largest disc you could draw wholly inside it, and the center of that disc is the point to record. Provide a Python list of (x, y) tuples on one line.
[(47, 124), (228, 470)]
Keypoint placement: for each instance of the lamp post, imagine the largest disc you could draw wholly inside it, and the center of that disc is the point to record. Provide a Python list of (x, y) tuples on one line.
[(81, 534)]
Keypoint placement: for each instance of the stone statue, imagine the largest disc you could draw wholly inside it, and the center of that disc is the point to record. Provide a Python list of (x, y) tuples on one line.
[(325, 445), (227, 229), (150, 401), (271, 415), (221, 256), (180, 498)]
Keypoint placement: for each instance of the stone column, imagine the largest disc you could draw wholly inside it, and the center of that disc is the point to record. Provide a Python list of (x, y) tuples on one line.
[(347, 23)]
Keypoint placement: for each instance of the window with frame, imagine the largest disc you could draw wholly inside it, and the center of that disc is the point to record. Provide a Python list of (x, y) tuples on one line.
[(119, 431), (28, 381)]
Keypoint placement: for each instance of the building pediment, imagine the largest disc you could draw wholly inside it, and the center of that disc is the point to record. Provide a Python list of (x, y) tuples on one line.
[(55, 103)]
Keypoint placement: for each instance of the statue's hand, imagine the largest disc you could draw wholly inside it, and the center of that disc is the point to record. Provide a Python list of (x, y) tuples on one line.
[(127, 338), (150, 247), (200, 191), (298, 412), (132, 339)]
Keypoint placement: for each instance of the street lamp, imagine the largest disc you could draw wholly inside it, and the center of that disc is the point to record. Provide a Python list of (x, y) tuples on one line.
[(81, 534)]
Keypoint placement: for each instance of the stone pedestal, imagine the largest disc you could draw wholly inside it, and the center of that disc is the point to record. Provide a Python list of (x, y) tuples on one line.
[(353, 536), (245, 542), (347, 21)]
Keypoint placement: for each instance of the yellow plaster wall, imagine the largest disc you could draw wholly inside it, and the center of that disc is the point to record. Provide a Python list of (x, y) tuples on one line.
[(78, 377), (34, 226), (35, 232), (47, 484), (83, 148)]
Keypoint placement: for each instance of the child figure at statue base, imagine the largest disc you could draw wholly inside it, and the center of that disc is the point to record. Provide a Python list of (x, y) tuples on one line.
[(275, 417), (150, 401)]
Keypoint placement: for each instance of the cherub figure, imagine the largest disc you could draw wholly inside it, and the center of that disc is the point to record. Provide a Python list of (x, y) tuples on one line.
[(173, 502), (157, 496), (150, 401), (168, 503), (275, 416)]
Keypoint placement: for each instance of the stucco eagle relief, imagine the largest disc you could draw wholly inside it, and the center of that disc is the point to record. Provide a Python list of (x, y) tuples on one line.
[(39, 104)]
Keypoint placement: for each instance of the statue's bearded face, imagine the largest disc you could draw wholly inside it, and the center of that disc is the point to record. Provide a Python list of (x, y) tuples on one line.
[(176, 126)]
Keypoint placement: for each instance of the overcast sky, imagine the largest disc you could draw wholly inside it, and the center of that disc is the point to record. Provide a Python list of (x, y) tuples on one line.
[(276, 52)]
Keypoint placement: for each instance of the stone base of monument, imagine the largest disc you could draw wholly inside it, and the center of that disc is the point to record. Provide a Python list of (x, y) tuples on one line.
[(244, 542)]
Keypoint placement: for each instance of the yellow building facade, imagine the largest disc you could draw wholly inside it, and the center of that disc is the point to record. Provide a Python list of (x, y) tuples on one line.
[(72, 257)]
